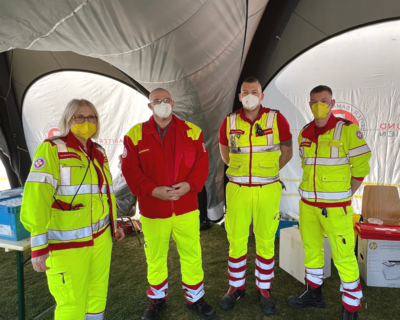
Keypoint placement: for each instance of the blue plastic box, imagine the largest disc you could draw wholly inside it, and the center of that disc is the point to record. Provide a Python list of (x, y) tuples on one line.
[(11, 227), (284, 224)]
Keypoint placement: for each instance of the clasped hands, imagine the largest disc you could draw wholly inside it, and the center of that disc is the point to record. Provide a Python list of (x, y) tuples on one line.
[(171, 193)]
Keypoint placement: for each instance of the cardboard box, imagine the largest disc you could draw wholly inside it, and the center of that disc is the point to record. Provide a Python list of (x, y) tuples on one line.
[(379, 262), (291, 254)]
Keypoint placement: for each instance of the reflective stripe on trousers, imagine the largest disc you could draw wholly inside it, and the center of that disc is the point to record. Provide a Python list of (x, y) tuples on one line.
[(94, 316)]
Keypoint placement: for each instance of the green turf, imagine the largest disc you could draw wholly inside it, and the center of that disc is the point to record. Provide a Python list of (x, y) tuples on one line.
[(127, 295)]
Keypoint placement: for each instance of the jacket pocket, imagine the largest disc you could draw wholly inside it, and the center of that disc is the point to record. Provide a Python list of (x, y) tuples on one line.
[(267, 168), (334, 177), (145, 150), (72, 162), (345, 244), (68, 220), (236, 165), (61, 287)]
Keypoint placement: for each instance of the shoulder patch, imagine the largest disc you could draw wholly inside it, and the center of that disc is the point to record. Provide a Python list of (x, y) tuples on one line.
[(306, 125), (136, 133), (39, 163), (275, 110), (194, 131)]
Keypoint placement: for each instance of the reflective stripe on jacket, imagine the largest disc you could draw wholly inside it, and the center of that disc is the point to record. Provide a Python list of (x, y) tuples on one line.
[(58, 169), (330, 162), (253, 154)]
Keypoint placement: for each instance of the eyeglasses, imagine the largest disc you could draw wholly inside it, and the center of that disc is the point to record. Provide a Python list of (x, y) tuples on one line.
[(158, 101), (82, 119)]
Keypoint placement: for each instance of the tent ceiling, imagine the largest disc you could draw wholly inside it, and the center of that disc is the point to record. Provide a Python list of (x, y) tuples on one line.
[(194, 49), (29, 65)]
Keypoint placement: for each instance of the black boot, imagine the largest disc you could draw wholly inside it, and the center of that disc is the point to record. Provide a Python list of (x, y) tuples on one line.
[(309, 297), (155, 307), (204, 310), (347, 315), (229, 300), (267, 303)]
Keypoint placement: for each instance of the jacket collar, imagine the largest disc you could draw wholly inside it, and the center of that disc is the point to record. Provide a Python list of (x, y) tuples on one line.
[(72, 142), (309, 131), (150, 126), (243, 116)]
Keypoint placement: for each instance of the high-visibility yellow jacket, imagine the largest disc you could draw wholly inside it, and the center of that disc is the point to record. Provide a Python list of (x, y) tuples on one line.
[(330, 161), (65, 204), (253, 155)]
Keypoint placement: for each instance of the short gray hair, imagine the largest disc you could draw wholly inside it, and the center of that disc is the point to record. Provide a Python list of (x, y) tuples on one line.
[(64, 125)]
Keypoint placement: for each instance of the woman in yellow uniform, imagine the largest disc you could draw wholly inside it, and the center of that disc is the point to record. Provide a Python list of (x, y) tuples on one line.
[(69, 208)]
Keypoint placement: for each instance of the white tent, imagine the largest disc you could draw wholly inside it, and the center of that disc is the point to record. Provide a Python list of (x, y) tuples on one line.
[(359, 66)]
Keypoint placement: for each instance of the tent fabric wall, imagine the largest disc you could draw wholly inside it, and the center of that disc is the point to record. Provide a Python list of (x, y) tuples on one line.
[(120, 107), (315, 20), (363, 69), (13, 141), (194, 49)]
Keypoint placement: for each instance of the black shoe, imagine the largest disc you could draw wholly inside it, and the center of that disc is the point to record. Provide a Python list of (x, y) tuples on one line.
[(267, 304), (347, 315), (309, 297), (206, 224), (204, 310), (228, 301), (155, 307)]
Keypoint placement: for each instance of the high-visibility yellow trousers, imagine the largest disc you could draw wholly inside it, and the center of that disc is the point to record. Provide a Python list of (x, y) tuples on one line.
[(244, 205), (337, 224), (185, 231), (78, 279)]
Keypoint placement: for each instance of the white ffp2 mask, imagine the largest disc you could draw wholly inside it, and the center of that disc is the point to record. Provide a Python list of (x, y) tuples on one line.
[(250, 101), (163, 110)]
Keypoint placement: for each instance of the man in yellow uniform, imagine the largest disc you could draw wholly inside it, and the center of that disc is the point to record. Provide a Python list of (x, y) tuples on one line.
[(334, 158), (255, 143)]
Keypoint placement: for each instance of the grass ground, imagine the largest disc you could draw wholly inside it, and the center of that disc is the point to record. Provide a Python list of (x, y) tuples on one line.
[(128, 284)]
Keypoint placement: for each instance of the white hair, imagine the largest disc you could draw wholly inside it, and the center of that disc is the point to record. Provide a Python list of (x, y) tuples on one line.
[(65, 122)]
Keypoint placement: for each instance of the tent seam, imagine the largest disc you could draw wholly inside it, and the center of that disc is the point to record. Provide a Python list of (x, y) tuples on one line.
[(148, 44), (263, 8), (170, 81), (55, 26)]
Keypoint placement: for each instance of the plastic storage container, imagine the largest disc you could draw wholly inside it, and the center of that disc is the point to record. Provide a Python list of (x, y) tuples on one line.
[(284, 224), (11, 227)]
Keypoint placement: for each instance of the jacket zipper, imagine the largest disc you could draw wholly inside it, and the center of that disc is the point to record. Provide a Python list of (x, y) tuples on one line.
[(315, 170), (162, 146), (251, 152)]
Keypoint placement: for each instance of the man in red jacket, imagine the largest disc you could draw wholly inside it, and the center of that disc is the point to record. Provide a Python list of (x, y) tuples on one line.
[(165, 164)]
